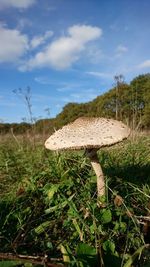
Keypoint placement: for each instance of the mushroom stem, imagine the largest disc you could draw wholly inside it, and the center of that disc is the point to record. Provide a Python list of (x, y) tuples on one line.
[(92, 154)]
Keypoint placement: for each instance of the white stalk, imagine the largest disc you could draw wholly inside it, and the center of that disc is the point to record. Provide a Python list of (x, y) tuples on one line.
[(92, 154)]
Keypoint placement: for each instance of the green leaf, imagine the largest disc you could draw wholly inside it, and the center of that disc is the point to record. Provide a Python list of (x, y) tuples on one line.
[(106, 216), (59, 206), (42, 227), (85, 249), (9, 263), (92, 228), (49, 245), (73, 212), (123, 226), (77, 227), (49, 190), (86, 255), (109, 246), (52, 191), (134, 256), (28, 264), (65, 254)]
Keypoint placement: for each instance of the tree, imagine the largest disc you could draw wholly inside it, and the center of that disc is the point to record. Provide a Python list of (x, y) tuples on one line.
[(119, 81)]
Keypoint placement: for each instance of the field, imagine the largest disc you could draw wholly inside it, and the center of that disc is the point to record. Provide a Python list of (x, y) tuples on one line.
[(48, 204)]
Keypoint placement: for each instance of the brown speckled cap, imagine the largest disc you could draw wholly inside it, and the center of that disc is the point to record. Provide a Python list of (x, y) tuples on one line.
[(88, 133)]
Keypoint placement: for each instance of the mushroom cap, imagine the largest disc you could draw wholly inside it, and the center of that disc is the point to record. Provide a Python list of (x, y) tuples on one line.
[(87, 132)]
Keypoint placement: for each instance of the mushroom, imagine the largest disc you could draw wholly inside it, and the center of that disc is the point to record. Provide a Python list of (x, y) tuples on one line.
[(90, 134)]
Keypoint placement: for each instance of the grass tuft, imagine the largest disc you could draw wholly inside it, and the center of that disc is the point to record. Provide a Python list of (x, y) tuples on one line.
[(48, 204)]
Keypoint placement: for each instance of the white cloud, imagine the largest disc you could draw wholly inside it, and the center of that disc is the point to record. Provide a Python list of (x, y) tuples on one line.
[(82, 96), (13, 44), (120, 50), (144, 64), (67, 87), (43, 80), (48, 80), (58, 85), (84, 33), (39, 40), (100, 74), (16, 3), (64, 51), (24, 23), (93, 53)]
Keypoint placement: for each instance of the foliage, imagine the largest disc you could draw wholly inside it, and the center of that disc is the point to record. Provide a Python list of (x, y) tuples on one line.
[(127, 102), (48, 204)]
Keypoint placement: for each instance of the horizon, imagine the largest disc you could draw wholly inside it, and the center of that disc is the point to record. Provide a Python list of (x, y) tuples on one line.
[(32, 120), (68, 51)]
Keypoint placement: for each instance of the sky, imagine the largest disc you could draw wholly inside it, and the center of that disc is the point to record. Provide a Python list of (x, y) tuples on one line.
[(68, 51)]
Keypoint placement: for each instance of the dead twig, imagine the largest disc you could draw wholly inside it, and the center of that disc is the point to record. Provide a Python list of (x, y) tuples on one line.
[(143, 218), (32, 259)]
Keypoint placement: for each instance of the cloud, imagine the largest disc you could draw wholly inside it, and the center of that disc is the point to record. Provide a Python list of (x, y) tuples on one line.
[(58, 85), (64, 51), (43, 80), (67, 87), (144, 64), (16, 3), (120, 50), (84, 33), (83, 97), (93, 53), (100, 74), (40, 39), (24, 23), (13, 44)]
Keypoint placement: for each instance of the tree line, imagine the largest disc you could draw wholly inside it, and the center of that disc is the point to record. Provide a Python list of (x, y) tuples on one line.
[(127, 102)]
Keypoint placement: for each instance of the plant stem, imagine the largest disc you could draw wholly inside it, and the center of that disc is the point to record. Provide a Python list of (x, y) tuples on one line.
[(32, 259), (92, 154)]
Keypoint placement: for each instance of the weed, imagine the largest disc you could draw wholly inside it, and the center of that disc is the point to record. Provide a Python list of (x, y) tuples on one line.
[(48, 204)]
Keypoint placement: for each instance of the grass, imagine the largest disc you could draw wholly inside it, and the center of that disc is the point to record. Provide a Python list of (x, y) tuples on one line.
[(48, 203)]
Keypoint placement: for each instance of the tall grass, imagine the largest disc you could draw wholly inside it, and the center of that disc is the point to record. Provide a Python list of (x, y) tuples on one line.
[(48, 203)]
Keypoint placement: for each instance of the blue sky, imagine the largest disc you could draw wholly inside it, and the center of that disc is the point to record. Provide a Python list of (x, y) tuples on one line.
[(68, 51)]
